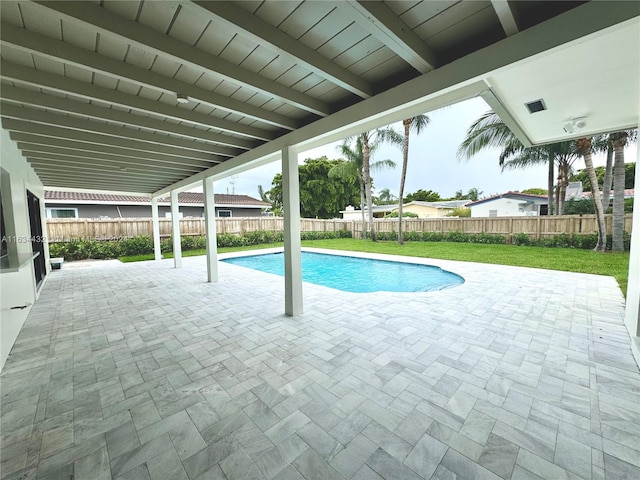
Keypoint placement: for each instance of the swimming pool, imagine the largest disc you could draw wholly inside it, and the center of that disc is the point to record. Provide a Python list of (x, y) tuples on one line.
[(358, 275)]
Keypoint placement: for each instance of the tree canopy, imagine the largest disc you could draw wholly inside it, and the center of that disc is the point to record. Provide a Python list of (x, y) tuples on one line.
[(581, 176), (423, 196), (321, 195)]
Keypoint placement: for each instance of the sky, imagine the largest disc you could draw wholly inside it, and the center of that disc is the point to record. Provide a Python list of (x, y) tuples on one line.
[(432, 161)]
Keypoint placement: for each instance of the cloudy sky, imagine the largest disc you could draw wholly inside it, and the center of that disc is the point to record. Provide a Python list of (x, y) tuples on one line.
[(432, 161)]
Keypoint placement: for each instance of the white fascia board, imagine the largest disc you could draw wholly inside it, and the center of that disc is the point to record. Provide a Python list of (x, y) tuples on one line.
[(460, 80)]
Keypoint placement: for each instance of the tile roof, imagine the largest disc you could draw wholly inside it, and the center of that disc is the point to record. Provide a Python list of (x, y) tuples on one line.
[(183, 197)]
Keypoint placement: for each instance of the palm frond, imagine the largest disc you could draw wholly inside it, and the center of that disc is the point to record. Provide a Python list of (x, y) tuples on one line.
[(488, 131)]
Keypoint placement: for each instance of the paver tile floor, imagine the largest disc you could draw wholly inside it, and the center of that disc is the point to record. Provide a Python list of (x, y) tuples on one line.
[(143, 371)]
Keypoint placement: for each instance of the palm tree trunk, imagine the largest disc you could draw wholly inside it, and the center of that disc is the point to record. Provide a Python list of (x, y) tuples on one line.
[(584, 147), (563, 182), (618, 192), (366, 174), (608, 177), (363, 233), (405, 160), (550, 176)]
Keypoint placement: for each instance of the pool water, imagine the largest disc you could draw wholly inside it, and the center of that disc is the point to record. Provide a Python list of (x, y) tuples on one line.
[(358, 275)]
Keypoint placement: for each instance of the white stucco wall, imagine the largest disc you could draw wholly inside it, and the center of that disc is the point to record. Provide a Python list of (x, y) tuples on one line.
[(506, 207), (18, 287)]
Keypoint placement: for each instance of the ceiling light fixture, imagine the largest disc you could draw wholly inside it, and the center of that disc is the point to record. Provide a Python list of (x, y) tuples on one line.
[(576, 125), (181, 98)]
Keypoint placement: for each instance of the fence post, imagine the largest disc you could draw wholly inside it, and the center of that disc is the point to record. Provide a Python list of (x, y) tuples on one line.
[(538, 227)]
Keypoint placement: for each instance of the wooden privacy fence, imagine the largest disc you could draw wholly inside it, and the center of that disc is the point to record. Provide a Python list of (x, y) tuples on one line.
[(67, 229)]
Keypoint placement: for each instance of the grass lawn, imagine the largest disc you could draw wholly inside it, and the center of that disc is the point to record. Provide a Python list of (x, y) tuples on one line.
[(565, 259)]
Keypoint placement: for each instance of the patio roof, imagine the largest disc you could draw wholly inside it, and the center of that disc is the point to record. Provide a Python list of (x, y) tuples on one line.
[(92, 91)]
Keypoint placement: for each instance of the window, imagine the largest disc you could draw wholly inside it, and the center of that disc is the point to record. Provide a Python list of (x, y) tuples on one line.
[(224, 213), (62, 213), (493, 213)]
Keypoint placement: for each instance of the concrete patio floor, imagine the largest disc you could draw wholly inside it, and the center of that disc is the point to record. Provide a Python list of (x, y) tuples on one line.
[(142, 371)]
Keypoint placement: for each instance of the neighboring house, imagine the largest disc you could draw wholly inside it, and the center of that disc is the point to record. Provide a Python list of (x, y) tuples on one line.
[(379, 211), (574, 192), (422, 209), (432, 209), (510, 204), (97, 205)]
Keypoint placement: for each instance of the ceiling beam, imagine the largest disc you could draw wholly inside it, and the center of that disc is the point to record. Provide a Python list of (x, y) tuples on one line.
[(505, 15), (26, 120), (121, 176), (380, 21), (96, 183), (66, 105), (20, 126), (270, 37), (58, 83), (176, 145), (90, 150), (96, 186), (80, 158), (138, 172), (134, 33), (47, 47)]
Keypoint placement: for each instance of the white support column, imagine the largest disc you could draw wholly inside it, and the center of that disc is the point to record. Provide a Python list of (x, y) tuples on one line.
[(156, 228), (210, 229), (292, 254), (632, 310), (175, 230)]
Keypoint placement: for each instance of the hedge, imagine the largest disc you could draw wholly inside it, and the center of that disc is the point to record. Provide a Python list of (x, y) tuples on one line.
[(85, 249), (587, 242)]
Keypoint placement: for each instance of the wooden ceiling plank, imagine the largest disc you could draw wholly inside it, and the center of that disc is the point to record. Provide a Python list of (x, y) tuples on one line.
[(137, 33), (58, 83), (65, 133), (380, 21), (49, 48), (107, 152), (271, 37), (116, 135), (59, 104)]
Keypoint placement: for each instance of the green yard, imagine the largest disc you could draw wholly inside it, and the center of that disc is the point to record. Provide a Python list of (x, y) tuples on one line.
[(565, 259)]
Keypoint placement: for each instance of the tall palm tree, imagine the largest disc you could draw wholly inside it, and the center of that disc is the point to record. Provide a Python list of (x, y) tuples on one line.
[(354, 154), (416, 124), (605, 145), (619, 140), (489, 131), (584, 148), (371, 141)]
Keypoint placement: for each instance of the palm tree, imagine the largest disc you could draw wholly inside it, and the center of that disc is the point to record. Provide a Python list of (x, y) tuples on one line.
[(474, 194), (489, 131), (584, 148), (371, 141), (605, 145), (386, 197), (355, 164), (619, 140), (563, 154), (417, 124)]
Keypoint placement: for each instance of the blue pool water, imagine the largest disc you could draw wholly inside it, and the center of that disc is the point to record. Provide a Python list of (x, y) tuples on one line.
[(359, 275)]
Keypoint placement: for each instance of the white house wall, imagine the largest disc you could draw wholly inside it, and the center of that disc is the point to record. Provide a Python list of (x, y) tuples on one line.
[(17, 287), (505, 207)]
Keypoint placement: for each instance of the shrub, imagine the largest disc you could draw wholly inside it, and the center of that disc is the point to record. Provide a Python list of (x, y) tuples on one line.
[(404, 215)]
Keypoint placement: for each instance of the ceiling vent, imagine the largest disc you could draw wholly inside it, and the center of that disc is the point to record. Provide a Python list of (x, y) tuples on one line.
[(536, 106)]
